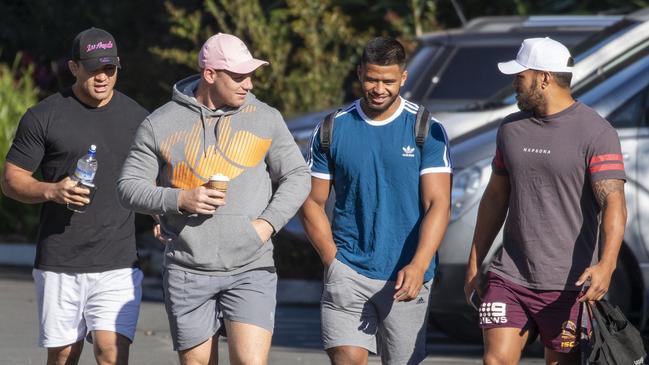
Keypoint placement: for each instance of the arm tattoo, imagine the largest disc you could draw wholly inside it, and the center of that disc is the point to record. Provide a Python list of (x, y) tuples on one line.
[(602, 188)]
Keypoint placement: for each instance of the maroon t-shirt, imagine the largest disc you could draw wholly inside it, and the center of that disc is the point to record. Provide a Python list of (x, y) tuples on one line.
[(552, 226)]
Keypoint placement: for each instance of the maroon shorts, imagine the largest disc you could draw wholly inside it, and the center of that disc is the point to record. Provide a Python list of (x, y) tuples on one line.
[(554, 314)]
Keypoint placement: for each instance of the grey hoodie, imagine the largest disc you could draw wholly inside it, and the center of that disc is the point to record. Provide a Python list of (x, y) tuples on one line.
[(176, 148)]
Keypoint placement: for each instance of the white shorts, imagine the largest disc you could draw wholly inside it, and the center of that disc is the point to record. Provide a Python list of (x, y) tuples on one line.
[(71, 305)]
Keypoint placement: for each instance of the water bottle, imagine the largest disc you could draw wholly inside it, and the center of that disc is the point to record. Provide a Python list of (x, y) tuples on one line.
[(84, 175)]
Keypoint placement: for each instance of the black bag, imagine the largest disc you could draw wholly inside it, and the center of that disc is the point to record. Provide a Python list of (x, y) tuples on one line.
[(614, 340)]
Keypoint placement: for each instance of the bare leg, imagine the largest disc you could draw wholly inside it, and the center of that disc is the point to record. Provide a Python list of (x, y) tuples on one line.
[(65, 355), (348, 355), (206, 353), (110, 348), (248, 344), (503, 346), (560, 358)]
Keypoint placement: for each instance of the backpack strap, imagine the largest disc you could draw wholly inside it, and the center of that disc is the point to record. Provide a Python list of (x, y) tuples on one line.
[(422, 125), (586, 337), (327, 131)]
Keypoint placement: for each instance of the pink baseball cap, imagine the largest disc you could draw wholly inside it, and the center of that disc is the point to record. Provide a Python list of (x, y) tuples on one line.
[(227, 52)]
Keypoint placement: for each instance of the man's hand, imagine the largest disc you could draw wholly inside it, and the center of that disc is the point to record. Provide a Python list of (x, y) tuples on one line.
[(610, 197), (329, 258), (409, 282), (67, 191), (600, 279), (200, 200), (263, 228), (471, 284), (157, 233)]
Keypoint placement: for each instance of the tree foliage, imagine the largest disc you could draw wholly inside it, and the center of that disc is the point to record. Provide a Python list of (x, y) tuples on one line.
[(17, 93), (43, 30), (398, 18), (447, 16), (310, 45)]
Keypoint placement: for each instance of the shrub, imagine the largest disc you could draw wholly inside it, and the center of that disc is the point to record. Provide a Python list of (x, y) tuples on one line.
[(310, 45), (18, 221)]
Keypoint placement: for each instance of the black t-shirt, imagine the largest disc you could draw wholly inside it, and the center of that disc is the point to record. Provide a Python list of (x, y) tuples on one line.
[(51, 137)]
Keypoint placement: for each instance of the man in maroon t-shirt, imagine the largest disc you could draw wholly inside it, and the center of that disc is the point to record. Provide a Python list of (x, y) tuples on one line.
[(558, 167)]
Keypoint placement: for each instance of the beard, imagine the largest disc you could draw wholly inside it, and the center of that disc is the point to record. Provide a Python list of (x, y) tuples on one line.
[(530, 100), (379, 108)]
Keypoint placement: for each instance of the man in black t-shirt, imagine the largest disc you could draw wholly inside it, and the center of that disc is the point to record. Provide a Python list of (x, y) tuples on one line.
[(558, 170), (86, 273)]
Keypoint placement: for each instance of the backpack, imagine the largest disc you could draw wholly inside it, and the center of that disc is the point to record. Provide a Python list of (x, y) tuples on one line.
[(614, 340), (422, 125)]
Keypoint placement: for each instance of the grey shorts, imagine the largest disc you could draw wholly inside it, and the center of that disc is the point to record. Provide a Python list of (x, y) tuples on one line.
[(197, 304), (358, 311)]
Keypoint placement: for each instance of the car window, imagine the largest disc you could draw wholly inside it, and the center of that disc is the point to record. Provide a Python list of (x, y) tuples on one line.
[(618, 92), (418, 68), (600, 39), (628, 115), (469, 73)]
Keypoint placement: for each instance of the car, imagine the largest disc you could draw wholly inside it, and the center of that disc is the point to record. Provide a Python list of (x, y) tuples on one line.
[(446, 74), (595, 51), (444, 61), (590, 56), (619, 91)]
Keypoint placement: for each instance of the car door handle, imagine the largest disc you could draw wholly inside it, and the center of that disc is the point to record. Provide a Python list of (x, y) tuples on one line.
[(626, 156)]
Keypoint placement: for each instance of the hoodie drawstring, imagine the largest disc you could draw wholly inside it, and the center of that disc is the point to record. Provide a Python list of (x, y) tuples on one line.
[(217, 146), (204, 135), (216, 132)]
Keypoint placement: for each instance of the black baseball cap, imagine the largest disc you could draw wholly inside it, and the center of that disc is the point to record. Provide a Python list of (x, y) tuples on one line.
[(94, 48)]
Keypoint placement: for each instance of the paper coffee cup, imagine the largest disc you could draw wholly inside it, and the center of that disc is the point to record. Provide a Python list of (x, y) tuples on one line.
[(218, 182)]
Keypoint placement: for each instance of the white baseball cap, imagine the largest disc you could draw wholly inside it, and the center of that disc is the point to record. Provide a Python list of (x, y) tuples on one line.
[(542, 54), (227, 52)]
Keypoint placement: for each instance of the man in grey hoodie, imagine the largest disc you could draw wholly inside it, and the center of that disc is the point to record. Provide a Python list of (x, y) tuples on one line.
[(219, 275)]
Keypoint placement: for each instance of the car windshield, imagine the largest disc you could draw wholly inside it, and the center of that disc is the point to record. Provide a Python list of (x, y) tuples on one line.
[(463, 71), (417, 65), (507, 96)]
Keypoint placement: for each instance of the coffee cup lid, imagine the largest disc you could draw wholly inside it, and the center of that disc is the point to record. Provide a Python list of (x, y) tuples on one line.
[(219, 177)]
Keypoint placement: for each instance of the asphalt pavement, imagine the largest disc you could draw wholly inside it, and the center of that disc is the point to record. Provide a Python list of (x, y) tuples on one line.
[(296, 339)]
